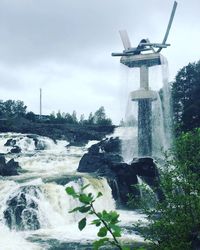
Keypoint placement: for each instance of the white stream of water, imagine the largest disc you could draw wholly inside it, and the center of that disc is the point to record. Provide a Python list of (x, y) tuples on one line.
[(42, 189), (161, 113)]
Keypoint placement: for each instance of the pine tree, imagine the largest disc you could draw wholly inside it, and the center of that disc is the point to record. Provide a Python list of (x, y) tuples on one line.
[(186, 98)]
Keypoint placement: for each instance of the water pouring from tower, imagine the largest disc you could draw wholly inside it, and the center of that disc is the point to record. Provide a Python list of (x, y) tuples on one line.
[(144, 56)]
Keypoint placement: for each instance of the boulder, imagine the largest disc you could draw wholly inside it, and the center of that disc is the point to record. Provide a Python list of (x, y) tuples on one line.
[(77, 144), (15, 150), (125, 180), (10, 143), (101, 157), (2, 162), (100, 163), (10, 168), (108, 145), (105, 160), (22, 210), (146, 168)]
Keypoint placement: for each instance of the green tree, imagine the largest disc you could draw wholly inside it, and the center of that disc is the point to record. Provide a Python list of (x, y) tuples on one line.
[(60, 117), (90, 120), (11, 108), (74, 117), (31, 116), (174, 223), (69, 119), (186, 98), (82, 119), (100, 117), (52, 116)]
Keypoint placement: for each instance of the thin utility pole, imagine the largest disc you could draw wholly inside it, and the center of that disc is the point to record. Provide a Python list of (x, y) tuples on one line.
[(40, 103)]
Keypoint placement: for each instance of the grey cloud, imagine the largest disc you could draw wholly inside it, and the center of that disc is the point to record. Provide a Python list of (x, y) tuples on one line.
[(66, 29), (65, 46)]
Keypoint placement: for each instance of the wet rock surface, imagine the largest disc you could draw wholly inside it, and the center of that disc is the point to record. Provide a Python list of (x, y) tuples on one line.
[(73, 133), (104, 159), (10, 168), (22, 210), (10, 143), (15, 150), (101, 157)]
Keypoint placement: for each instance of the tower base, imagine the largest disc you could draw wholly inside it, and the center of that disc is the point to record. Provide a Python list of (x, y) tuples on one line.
[(144, 127)]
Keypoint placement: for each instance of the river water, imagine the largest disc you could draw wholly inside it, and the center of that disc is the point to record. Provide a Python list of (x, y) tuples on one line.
[(38, 194)]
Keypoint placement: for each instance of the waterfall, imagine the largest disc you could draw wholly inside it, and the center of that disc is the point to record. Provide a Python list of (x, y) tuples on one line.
[(167, 107), (11, 240), (105, 202), (34, 208), (158, 133), (161, 114)]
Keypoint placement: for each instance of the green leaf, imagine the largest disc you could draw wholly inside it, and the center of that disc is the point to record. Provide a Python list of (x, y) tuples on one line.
[(115, 228), (70, 191), (82, 224), (126, 248), (114, 216), (74, 210), (84, 198), (117, 234), (102, 232), (84, 209), (97, 244), (84, 187), (99, 195), (96, 222)]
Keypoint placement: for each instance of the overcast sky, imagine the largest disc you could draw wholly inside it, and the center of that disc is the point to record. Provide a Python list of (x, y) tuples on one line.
[(65, 46)]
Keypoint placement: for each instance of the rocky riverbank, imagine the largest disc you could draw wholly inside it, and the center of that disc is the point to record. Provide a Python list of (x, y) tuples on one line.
[(77, 135), (104, 159)]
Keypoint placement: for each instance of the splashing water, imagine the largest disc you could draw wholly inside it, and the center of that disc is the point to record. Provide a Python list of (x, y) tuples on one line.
[(34, 208), (161, 114)]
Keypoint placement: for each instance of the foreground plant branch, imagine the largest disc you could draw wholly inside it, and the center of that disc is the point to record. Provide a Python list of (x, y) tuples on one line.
[(106, 221)]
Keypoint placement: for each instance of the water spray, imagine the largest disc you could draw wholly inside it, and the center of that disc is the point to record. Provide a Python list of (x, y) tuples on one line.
[(144, 56)]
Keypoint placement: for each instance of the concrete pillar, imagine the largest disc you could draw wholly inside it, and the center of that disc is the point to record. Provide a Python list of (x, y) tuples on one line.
[(144, 127), (144, 77), (144, 117)]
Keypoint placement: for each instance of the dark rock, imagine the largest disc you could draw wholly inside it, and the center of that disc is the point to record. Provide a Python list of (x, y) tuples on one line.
[(22, 211), (109, 145), (10, 143), (77, 144), (126, 181), (15, 150), (3, 166), (105, 160), (146, 168), (2, 161), (101, 156), (121, 176), (99, 162), (10, 168)]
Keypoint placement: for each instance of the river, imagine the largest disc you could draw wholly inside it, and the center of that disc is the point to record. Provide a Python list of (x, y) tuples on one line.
[(34, 208)]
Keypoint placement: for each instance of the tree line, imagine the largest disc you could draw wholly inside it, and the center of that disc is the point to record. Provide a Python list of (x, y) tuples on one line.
[(98, 118), (14, 109)]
